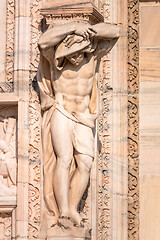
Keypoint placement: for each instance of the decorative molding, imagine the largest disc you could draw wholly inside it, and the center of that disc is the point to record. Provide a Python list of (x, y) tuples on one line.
[(104, 161), (105, 6), (34, 201), (76, 10), (7, 86), (5, 226), (10, 40), (34, 213), (133, 119), (7, 218), (104, 139)]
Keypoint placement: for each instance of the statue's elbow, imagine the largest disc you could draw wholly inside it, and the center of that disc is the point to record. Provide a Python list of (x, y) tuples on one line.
[(117, 32), (41, 44)]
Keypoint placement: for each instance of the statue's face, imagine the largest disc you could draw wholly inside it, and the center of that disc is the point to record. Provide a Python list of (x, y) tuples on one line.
[(76, 58)]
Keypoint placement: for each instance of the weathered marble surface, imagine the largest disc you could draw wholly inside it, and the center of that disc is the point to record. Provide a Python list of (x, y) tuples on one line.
[(149, 120), (3, 41)]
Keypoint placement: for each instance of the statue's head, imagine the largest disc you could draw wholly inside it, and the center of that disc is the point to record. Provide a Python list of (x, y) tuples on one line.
[(75, 58)]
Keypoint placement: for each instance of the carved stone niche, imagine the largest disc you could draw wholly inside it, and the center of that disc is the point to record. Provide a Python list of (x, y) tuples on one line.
[(8, 170), (71, 50), (52, 11)]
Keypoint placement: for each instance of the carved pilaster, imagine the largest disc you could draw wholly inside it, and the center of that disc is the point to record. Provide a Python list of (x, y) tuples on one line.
[(35, 189), (10, 40), (104, 141), (104, 161), (7, 85), (133, 119)]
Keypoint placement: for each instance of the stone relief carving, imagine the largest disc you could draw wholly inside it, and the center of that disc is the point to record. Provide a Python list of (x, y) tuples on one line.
[(8, 160), (7, 86), (133, 119), (5, 226), (34, 213), (105, 133), (67, 78), (10, 41), (104, 178)]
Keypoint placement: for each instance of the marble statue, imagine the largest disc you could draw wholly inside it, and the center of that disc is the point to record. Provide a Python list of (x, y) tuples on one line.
[(8, 161), (67, 79)]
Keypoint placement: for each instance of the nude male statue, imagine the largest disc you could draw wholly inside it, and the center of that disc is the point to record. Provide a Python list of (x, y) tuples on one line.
[(70, 53)]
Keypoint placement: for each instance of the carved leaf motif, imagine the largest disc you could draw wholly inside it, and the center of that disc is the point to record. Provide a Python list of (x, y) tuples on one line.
[(104, 135), (132, 3), (10, 43), (5, 219), (132, 35), (133, 119), (34, 213)]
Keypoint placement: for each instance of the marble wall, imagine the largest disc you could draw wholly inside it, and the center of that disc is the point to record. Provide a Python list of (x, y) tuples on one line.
[(149, 120)]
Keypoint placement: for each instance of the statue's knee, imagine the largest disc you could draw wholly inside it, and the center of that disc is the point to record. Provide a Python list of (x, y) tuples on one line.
[(64, 162), (86, 165)]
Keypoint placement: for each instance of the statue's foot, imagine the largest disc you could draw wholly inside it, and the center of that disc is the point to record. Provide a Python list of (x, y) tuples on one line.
[(76, 219), (65, 222)]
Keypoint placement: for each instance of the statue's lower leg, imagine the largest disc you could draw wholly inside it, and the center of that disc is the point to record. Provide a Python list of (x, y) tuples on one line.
[(77, 188), (61, 188)]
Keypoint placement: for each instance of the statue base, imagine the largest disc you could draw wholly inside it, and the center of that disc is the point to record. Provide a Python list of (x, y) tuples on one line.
[(64, 230)]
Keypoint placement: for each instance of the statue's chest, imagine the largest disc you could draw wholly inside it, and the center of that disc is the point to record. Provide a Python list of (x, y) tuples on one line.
[(83, 71)]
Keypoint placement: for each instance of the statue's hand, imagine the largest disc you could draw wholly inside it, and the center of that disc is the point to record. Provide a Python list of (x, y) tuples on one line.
[(81, 34), (86, 33), (71, 39)]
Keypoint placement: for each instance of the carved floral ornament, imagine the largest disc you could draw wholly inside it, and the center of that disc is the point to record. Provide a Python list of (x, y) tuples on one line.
[(7, 59)]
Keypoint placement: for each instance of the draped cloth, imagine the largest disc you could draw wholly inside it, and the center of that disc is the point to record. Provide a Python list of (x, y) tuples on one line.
[(48, 106)]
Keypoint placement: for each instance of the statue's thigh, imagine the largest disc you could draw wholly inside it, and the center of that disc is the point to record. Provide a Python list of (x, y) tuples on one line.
[(61, 135)]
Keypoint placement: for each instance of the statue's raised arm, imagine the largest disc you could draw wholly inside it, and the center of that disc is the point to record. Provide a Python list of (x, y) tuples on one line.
[(100, 30), (58, 33), (55, 34)]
